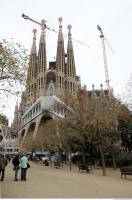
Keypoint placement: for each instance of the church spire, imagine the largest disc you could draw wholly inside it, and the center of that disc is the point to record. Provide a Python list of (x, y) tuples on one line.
[(33, 59), (32, 71), (60, 36), (15, 121), (33, 49), (60, 57), (42, 62), (71, 83), (71, 71)]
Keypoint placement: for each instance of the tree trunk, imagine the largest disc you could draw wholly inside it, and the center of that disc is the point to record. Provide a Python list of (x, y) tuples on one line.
[(113, 159), (65, 157), (41, 156), (70, 164), (50, 158), (103, 162), (61, 160), (83, 156)]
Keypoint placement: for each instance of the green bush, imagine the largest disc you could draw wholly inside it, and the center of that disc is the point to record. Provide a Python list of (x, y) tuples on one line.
[(76, 159), (109, 162), (124, 159)]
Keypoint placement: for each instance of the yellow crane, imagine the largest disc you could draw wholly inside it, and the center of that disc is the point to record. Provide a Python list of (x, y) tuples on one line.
[(44, 26)]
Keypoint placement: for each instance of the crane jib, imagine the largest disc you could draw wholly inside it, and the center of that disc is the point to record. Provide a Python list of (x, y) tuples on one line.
[(44, 26)]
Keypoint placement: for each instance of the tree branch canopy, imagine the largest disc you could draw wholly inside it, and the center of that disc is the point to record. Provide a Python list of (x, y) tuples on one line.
[(13, 67)]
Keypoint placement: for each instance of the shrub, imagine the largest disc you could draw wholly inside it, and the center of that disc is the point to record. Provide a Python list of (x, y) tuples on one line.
[(124, 159)]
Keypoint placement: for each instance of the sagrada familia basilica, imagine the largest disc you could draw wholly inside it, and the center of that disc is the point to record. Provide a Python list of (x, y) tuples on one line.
[(52, 79), (46, 84)]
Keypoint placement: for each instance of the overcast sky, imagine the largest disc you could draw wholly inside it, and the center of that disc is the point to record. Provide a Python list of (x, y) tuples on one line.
[(114, 16)]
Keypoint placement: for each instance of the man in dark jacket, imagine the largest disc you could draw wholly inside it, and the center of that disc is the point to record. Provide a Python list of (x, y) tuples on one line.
[(3, 162), (16, 163)]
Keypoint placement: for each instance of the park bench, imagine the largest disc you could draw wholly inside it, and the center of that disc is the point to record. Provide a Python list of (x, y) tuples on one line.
[(84, 167), (57, 164), (125, 171)]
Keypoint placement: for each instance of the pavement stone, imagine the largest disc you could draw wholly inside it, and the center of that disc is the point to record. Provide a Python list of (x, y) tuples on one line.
[(48, 182)]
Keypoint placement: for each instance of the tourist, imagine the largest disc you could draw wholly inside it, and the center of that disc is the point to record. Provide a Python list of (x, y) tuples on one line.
[(3, 162), (8, 158), (0, 165), (24, 161), (46, 161), (16, 163), (43, 160)]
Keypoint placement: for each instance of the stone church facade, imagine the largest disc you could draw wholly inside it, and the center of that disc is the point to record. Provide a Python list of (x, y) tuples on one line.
[(55, 78)]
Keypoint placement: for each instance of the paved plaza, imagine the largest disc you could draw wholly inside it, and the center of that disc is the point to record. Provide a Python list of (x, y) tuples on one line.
[(48, 182)]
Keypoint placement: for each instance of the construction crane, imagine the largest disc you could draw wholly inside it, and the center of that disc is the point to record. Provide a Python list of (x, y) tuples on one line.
[(103, 39), (44, 26)]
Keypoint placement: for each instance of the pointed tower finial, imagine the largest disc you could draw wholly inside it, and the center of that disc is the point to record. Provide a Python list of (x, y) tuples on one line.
[(94, 95), (43, 24), (93, 86), (34, 30), (43, 27), (101, 86), (69, 27), (60, 20), (33, 49), (102, 94), (60, 36), (69, 30)]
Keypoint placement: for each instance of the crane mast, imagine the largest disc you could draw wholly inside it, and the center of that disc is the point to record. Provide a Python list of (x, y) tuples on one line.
[(104, 57)]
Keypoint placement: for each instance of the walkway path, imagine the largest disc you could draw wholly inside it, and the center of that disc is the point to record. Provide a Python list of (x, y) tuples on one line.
[(47, 182)]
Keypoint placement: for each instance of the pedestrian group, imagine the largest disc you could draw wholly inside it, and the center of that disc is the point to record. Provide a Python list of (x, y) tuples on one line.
[(20, 162)]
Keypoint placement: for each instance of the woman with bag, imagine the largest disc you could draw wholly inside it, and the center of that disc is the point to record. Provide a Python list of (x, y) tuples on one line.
[(3, 163), (16, 163)]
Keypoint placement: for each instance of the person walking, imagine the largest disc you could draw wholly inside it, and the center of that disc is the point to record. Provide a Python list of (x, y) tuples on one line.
[(4, 163), (0, 165), (16, 163), (24, 161)]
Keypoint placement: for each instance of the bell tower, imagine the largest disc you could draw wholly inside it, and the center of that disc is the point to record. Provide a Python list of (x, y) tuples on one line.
[(70, 77), (32, 73), (60, 60), (42, 62)]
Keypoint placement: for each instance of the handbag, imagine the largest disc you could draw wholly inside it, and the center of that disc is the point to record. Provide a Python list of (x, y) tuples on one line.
[(28, 165), (0, 164)]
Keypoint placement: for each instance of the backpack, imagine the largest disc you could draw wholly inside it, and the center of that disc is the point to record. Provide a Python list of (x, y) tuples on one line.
[(0, 164), (28, 165)]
